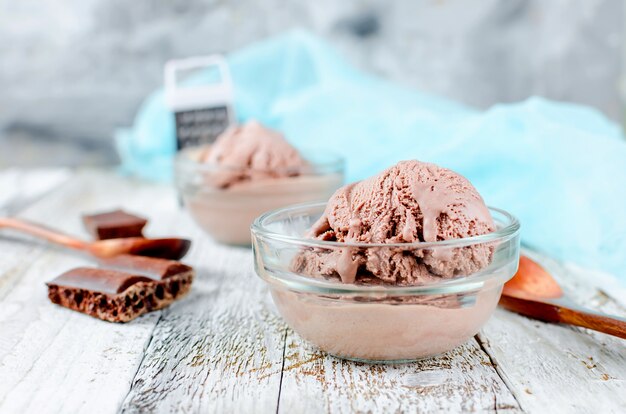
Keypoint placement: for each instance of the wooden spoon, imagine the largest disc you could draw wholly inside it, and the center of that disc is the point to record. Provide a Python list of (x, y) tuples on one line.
[(534, 293), (170, 248)]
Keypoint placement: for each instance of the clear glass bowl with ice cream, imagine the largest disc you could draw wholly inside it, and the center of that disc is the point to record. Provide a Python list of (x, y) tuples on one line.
[(250, 169), (402, 266)]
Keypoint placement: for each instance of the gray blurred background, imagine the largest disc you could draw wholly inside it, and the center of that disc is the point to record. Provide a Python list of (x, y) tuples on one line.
[(71, 71)]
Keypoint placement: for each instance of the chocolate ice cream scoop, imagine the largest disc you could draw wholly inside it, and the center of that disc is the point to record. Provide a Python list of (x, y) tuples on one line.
[(249, 170), (410, 202), (250, 152)]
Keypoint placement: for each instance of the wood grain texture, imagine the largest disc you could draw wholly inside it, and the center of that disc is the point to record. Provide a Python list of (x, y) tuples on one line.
[(560, 368), (462, 380), (53, 359), (219, 351), (18, 187), (225, 348)]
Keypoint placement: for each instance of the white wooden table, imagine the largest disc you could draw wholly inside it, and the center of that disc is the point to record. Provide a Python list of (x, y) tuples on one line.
[(225, 349)]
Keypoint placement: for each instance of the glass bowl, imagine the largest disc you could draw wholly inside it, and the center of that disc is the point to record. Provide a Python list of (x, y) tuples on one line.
[(226, 212), (372, 321)]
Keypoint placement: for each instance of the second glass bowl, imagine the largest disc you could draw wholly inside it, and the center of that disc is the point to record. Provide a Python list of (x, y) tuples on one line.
[(226, 213), (377, 322)]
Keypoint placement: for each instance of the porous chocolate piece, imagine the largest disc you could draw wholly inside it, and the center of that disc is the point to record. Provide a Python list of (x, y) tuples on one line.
[(110, 282), (114, 224), (150, 266), (116, 296)]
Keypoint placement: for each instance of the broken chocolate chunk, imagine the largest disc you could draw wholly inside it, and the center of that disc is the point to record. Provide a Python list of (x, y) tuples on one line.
[(114, 225), (100, 280), (116, 296), (152, 267)]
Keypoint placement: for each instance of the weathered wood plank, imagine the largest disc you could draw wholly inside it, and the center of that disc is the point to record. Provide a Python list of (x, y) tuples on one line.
[(462, 380), (553, 368), (204, 357), (528, 354), (225, 349), (19, 187), (53, 359), (219, 351)]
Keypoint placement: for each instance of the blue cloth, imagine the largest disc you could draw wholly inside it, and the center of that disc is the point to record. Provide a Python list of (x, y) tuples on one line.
[(560, 168)]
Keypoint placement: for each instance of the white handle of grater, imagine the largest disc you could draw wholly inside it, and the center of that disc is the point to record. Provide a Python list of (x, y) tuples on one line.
[(184, 98), (196, 62)]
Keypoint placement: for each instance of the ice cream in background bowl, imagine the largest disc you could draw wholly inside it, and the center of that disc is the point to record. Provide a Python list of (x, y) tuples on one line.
[(405, 265), (248, 170)]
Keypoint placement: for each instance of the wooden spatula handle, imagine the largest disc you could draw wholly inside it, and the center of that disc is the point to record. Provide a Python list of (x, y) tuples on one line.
[(42, 232), (587, 318), (561, 311)]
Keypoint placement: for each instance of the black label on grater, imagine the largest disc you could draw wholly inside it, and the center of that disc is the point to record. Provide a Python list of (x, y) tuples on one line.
[(200, 126)]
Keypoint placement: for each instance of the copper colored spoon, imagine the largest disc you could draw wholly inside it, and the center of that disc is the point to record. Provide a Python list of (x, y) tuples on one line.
[(534, 293), (171, 248)]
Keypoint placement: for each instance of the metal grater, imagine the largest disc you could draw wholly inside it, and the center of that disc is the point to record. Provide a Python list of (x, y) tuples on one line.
[(202, 112)]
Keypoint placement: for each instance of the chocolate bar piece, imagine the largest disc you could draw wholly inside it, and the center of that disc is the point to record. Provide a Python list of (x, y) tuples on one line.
[(149, 266), (114, 224), (116, 296)]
